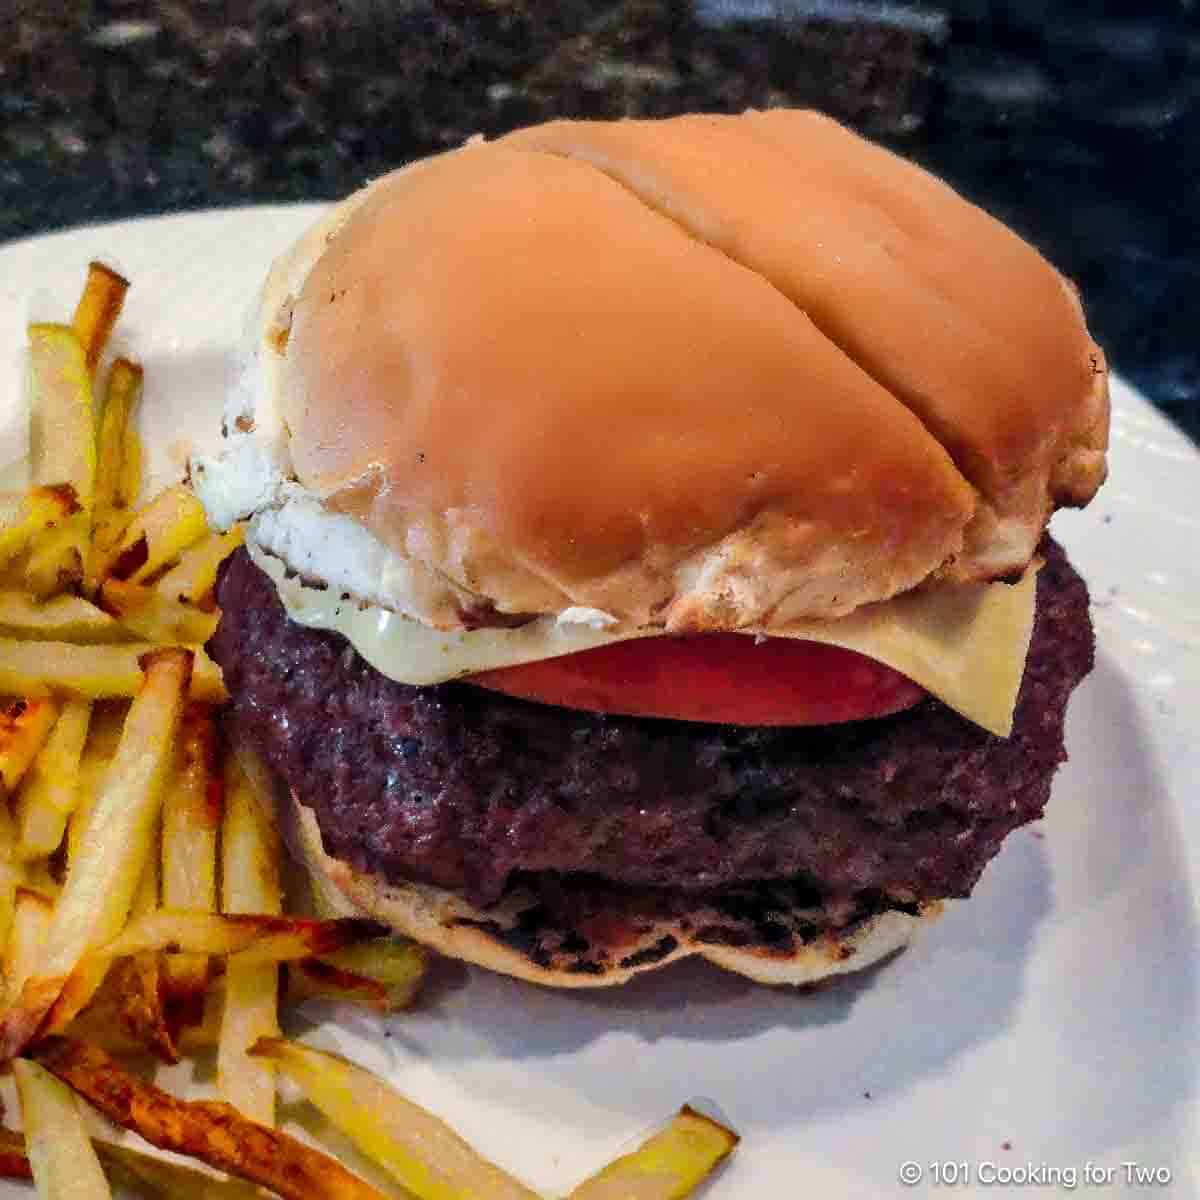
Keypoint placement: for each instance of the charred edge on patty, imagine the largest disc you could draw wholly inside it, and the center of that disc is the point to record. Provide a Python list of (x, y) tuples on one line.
[(600, 840)]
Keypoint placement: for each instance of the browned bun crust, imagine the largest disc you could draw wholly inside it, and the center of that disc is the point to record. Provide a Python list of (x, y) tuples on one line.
[(961, 320), (704, 373), (557, 397), (447, 923)]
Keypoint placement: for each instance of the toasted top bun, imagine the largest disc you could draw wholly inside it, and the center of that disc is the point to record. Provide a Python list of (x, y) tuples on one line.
[(703, 373)]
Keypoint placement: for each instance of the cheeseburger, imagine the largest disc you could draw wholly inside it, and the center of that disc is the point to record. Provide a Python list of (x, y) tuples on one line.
[(646, 550)]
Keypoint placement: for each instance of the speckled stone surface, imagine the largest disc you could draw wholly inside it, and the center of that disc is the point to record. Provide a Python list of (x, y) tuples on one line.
[(1082, 132)]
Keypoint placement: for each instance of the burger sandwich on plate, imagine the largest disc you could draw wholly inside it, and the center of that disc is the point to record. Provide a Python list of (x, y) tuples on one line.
[(646, 549)]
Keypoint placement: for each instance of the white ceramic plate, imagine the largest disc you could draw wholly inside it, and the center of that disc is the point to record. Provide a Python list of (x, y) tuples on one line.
[(1048, 1024)]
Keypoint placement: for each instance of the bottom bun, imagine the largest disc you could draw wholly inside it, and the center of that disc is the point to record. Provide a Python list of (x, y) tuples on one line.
[(503, 938)]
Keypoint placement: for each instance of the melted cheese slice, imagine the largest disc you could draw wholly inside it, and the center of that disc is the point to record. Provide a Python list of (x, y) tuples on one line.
[(965, 644)]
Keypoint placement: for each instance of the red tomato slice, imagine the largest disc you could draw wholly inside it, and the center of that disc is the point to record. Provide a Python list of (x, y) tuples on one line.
[(723, 677)]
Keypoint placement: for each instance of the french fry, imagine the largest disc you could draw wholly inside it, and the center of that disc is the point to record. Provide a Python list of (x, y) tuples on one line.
[(249, 939), (39, 509), (57, 559), (40, 669), (315, 979), (149, 614), (251, 1011), (104, 735), (103, 878), (667, 1166), (156, 535), (149, 1175), (62, 424), (249, 883), (31, 922), (418, 1149), (64, 1165), (192, 811), (11, 875), (49, 793), (193, 579), (62, 450), (61, 619), (129, 485), (383, 975), (100, 1022), (98, 309), (145, 1174), (24, 727), (111, 510), (211, 1131), (139, 983)]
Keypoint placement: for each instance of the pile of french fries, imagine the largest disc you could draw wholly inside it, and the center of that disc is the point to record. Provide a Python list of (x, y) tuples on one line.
[(141, 908)]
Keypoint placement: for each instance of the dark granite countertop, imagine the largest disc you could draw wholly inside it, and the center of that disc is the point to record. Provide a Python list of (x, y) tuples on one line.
[(1082, 131)]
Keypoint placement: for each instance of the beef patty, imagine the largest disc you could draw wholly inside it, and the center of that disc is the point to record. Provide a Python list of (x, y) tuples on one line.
[(471, 790)]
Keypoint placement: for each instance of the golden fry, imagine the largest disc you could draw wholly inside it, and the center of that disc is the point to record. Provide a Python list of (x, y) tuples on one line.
[(12, 875), (156, 535), (140, 980), (383, 975), (61, 619), (104, 735), (31, 921), (250, 940), (250, 883), (62, 423), (149, 1175), (145, 1174), (57, 559), (208, 1130), (39, 509), (42, 668), (49, 793), (251, 937), (63, 453), (24, 727), (144, 611), (100, 1023), (111, 510), (251, 1012), (316, 979), (103, 878), (64, 1164), (120, 401), (194, 578), (250, 848), (411, 1144), (667, 1166), (192, 811), (129, 486), (98, 309)]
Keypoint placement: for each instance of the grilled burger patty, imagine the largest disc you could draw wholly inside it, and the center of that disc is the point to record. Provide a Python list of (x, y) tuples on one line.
[(471, 790)]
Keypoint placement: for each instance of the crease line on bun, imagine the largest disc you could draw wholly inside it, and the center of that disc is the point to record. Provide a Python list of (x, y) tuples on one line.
[(693, 235), (1010, 514)]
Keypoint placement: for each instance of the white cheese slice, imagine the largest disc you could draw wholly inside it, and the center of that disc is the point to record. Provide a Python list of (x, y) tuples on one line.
[(964, 644)]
